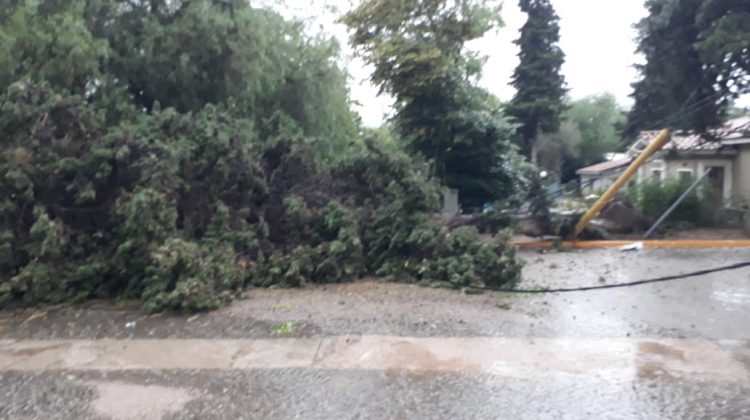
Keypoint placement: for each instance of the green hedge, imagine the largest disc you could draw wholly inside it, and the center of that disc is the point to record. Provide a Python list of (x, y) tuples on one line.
[(654, 197)]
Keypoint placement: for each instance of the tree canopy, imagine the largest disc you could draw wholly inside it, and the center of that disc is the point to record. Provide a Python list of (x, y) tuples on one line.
[(697, 61), (590, 129), (417, 49), (183, 55)]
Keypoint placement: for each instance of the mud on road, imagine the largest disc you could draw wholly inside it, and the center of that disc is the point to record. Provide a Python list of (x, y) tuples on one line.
[(712, 306)]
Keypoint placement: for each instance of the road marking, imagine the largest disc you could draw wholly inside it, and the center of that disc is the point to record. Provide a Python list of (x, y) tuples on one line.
[(510, 357)]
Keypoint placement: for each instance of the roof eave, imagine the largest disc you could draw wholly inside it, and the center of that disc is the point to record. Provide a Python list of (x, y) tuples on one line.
[(735, 142)]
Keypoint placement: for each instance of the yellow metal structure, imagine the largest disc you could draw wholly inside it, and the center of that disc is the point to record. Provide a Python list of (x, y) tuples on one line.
[(652, 148)]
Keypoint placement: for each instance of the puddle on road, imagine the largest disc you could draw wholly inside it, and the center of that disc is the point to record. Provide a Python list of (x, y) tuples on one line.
[(670, 359), (661, 350), (733, 298), (123, 401), (653, 358)]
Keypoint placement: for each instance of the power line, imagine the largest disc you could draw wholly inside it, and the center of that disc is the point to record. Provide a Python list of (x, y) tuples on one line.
[(610, 286), (684, 111)]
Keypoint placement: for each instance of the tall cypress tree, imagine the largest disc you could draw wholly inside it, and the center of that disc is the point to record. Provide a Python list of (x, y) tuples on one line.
[(540, 87), (697, 61)]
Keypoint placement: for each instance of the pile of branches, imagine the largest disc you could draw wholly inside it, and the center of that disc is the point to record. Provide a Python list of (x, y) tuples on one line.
[(183, 211)]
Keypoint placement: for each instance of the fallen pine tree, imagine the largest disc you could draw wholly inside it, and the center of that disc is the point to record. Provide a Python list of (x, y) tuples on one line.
[(179, 153), (183, 211)]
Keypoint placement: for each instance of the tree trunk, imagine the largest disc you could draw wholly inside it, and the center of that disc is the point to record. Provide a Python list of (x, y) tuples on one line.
[(534, 152)]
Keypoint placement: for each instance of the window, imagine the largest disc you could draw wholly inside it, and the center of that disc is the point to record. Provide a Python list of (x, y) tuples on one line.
[(685, 174), (658, 170)]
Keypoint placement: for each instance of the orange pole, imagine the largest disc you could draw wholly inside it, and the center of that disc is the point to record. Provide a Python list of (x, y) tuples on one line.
[(652, 148)]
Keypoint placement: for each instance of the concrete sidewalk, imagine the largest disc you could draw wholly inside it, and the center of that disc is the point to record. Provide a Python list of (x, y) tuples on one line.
[(517, 358)]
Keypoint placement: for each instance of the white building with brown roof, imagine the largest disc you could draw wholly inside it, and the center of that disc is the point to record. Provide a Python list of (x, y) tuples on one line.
[(725, 151)]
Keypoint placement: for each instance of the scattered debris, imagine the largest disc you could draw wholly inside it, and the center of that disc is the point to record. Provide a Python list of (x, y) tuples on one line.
[(283, 307), (36, 315), (284, 328), (619, 216), (636, 246), (130, 324)]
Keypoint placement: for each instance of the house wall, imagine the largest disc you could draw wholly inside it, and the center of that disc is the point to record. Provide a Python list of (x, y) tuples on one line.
[(670, 169), (736, 171), (450, 203), (677, 166), (602, 181), (728, 165), (742, 174)]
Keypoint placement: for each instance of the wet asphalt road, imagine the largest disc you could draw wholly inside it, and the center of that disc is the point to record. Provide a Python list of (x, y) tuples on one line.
[(714, 309)]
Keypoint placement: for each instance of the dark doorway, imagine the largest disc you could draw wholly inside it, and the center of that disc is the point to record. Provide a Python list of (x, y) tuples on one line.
[(716, 182)]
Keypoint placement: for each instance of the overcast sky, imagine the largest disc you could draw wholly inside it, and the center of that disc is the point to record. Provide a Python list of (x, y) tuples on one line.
[(597, 37)]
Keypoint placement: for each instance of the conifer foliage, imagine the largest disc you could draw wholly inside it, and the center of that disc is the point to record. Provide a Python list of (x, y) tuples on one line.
[(180, 152), (540, 86)]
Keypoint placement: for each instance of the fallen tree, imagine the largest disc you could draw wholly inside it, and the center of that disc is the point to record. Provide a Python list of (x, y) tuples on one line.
[(183, 211), (180, 153)]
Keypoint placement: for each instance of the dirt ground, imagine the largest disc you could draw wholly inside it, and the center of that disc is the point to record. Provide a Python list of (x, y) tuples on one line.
[(709, 234), (727, 233)]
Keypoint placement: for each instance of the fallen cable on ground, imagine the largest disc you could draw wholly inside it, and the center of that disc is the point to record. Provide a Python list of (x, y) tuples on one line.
[(618, 285)]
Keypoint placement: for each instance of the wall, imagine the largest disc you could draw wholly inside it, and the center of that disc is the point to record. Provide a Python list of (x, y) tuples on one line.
[(671, 169), (728, 165), (742, 174), (602, 183), (450, 203), (677, 166)]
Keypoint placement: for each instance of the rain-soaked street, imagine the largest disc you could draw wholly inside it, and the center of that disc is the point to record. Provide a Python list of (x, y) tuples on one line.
[(672, 350)]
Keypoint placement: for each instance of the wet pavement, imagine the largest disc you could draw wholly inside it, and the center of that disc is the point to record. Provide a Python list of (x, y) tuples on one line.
[(374, 350)]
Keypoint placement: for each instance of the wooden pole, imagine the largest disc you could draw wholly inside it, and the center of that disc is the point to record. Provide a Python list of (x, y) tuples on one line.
[(652, 148)]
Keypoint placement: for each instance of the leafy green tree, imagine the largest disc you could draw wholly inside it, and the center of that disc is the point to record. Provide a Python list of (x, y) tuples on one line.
[(540, 87), (417, 51), (560, 151), (599, 120), (49, 41), (697, 61), (589, 130), (185, 54)]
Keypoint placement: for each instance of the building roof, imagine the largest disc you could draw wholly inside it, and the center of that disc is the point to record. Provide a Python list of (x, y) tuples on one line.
[(682, 141), (690, 142), (733, 132), (737, 129), (603, 167)]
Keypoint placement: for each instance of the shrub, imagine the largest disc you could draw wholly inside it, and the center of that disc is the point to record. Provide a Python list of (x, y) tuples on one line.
[(654, 197)]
